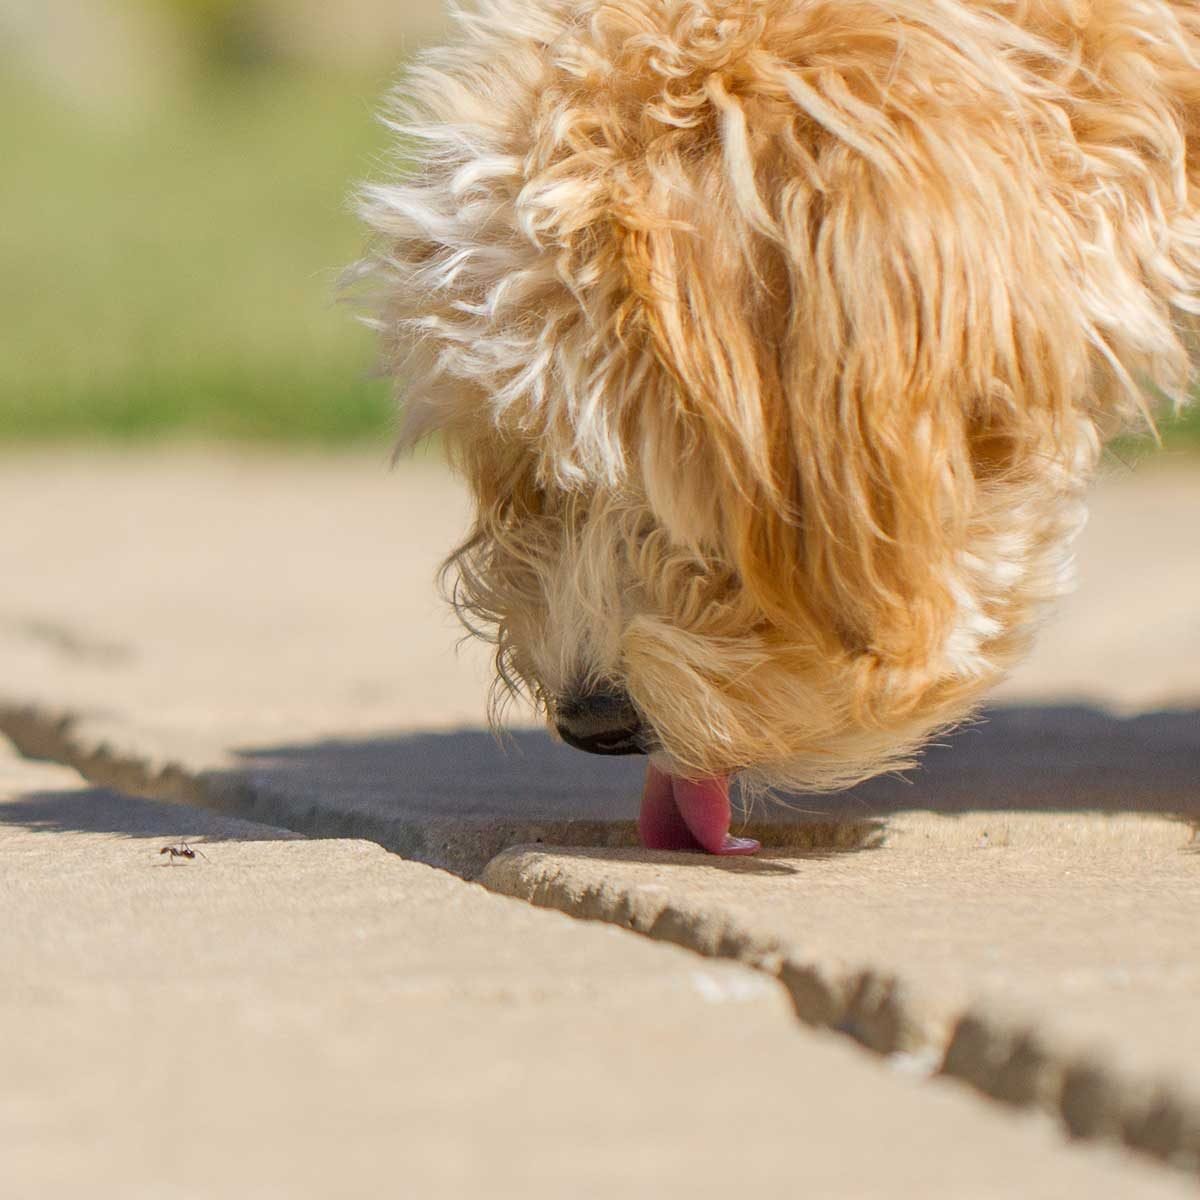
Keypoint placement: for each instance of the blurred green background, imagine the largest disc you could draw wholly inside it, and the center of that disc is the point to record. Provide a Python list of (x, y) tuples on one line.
[(174, 215)]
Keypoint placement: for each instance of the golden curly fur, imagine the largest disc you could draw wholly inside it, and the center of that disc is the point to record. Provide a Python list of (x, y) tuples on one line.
[(778, 339)]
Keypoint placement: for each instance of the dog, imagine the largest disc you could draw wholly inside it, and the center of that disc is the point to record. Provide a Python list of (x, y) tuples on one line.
[(778, 341)]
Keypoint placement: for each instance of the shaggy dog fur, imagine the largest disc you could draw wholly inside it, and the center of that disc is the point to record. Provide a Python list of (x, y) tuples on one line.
[(778, 339)]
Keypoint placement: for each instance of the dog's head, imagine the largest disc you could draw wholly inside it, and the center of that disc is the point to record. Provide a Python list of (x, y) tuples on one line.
[(776, 341)]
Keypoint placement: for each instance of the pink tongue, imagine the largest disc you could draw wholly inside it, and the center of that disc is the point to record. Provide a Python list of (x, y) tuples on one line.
[(686, 814)]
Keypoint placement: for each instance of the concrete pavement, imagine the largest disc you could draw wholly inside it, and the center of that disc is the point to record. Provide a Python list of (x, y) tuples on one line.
[(1049, 960), (255, 640), (260, 635), (292, 1018)]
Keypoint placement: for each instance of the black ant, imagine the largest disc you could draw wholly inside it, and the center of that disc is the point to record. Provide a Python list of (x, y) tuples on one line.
[(183, 850)]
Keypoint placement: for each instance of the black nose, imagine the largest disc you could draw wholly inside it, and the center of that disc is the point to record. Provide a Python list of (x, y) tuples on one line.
[(600, 722)]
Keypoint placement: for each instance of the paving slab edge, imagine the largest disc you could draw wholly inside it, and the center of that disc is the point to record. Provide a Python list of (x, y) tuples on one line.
[(114, 755), (1005, 1059), (64, 737), (1000, 1054)]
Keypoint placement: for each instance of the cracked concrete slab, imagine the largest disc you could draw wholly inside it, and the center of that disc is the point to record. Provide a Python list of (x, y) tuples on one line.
[(1049, 960), (260, 635), (291, 1018)]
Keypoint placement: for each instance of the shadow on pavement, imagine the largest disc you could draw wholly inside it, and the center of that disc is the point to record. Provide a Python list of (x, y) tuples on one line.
[(1052, 758), (456, 799), (98, 810), (1037, 758)]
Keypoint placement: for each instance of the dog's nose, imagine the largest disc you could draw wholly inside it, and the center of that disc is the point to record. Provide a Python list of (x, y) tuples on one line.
[(600, 722)]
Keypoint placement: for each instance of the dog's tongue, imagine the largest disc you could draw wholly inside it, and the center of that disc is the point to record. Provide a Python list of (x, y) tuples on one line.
[(688, 814)]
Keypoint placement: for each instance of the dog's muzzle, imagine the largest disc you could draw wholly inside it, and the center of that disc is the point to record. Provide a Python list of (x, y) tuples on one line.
[(601, 722)]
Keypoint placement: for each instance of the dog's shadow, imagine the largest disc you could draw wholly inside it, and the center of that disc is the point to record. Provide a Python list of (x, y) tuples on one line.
[(455, 799), (528, 788), (101, 810), (1049, 758)]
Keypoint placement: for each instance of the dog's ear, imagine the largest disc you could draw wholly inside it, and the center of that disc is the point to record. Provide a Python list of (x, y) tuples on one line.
[(827, 384), (798, 422), (889, 329)]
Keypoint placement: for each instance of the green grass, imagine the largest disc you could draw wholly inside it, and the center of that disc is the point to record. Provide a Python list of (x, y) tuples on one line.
[(1183, 432), (1176, 433), (178, 273)]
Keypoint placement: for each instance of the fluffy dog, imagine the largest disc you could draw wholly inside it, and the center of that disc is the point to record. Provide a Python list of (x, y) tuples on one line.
[(777, 340)]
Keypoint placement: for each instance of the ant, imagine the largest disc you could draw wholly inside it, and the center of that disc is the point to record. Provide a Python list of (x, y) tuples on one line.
[(183, 850)]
